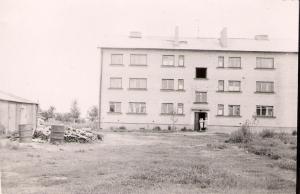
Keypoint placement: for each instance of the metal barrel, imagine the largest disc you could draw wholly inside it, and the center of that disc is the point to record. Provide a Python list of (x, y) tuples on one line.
[(57, 133), (25, 133)]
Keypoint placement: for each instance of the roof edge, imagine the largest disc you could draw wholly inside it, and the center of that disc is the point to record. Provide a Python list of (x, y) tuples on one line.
[(219, 50)]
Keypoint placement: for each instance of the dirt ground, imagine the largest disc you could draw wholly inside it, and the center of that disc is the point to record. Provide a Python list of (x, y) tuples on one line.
[(136, 162)]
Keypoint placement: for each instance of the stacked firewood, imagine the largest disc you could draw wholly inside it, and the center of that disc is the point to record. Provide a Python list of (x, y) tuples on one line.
[(83, 135)]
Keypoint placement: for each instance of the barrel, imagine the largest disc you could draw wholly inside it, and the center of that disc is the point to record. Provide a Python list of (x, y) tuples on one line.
[(57, 133), (25, 133)]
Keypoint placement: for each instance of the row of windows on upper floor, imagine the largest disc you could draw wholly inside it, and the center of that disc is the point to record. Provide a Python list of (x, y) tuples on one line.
[(170, 109), (169, 61), (169, 85)]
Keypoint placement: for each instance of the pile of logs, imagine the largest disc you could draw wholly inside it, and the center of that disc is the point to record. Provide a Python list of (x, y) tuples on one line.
[(83, 135)]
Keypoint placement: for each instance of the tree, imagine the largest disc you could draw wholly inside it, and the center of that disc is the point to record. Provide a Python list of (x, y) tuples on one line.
[(93, 113), (75, 112), (48, 113), (64, 117)]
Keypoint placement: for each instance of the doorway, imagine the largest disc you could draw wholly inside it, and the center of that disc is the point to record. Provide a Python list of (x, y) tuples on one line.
[(200, 122)]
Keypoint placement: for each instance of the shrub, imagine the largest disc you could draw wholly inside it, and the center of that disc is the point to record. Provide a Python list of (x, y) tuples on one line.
[(294, 133), (287, 164), (156, 128), (242, 135), (183, 129), (266, 133), (122, 127)]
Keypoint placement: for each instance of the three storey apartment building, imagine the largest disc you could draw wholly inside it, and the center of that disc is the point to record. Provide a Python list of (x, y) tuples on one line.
[(197, 83)]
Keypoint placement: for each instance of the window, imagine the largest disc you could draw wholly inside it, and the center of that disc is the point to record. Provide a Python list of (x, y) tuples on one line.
[(234, 110), (201, 72), (116, 82), (264, 63), (116, 59), (137, 107), (180, 108), (220, 61), (221, 85), (138, 59), (264, 111), (234, 62), (115, 107), (181, 61), (167, 84), (201, 97), (264, 86), (220, 109), (168, 60), (180, 84), (138, 83), (234, 86), (167, 108)]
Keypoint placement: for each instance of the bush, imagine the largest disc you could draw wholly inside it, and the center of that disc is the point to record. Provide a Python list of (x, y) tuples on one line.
[(242, 135), (266, 133), (183, 129), (156, 128), (122, 127), (287, 164), (294, 133)]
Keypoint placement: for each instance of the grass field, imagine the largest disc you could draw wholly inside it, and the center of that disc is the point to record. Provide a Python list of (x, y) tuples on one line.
[(139, 162)]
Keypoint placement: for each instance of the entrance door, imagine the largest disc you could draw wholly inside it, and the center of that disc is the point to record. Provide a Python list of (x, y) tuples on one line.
[(200, 122), (203, 120)]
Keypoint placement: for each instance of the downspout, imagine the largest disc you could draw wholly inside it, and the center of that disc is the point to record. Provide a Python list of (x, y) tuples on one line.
[(100, 88)]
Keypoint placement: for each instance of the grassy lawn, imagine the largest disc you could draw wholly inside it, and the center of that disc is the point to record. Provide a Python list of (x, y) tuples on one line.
[(139, 162)]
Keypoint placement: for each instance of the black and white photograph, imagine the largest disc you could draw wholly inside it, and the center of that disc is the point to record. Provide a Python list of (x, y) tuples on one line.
[(149, 96)]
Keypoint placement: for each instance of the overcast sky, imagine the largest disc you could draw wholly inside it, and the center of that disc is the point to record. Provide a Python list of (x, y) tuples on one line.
[(48, 47)]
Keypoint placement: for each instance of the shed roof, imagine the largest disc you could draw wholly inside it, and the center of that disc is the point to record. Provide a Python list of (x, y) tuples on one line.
[(208, 44), (12, 98)]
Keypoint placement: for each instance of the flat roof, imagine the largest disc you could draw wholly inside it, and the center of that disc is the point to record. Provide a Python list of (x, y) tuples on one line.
[(12, 98), (207, 44)]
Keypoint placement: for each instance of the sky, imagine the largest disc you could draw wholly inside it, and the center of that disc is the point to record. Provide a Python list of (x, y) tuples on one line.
[(48, 47)]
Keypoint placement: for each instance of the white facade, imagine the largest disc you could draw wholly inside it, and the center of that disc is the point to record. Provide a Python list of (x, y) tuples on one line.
[(277, 107)]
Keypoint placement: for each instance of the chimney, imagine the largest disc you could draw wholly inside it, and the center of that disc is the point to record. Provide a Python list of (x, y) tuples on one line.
[(223, 37), (261, 37), (135, 34), (176, 36)]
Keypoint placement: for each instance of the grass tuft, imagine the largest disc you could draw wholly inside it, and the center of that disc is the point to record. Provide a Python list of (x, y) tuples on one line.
[(242, 135), (267, 133), (287, 164)]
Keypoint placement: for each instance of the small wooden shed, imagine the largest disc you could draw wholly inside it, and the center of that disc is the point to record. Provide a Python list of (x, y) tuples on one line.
[(15, 111)]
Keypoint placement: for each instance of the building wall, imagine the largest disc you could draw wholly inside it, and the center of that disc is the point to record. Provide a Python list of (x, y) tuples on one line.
[(284, 99), (12, 114)]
